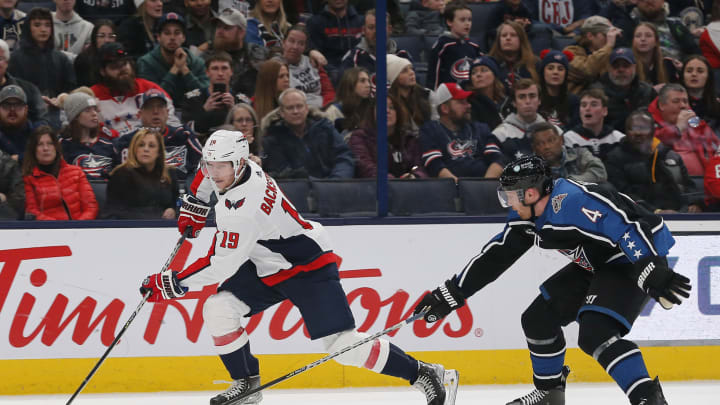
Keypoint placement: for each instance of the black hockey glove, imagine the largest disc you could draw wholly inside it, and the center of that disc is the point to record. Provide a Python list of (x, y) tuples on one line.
[(441, 301), (661, 282)]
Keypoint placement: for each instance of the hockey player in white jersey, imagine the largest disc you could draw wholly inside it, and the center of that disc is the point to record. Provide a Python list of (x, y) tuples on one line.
[(263, 253)]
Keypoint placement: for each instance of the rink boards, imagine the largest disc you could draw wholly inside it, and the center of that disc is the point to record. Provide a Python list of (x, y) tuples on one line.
[(64, 294)]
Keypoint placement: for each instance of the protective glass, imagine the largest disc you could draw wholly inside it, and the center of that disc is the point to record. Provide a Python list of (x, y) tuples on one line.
[(508, 198)]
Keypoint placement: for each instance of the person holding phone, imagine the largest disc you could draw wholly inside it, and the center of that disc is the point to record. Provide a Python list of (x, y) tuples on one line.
[(208, 107)]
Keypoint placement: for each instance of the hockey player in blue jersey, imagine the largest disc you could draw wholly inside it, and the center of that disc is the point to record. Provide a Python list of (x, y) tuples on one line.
[(618, 260)]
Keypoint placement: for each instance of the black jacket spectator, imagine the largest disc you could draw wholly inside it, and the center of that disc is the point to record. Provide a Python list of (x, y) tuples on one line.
[(135, 193), (334, 36), (50, 70), (621, 102), (320, 153), (657, 182), (134, 37), (115, 10), (12, 206), (363, 56)]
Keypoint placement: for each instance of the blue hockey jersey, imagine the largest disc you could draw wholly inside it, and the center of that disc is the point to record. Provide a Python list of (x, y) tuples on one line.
[(450, 60), (589, 224)]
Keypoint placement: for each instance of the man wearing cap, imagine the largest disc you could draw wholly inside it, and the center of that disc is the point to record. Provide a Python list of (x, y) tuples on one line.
[(182, 149), (247, 58), (170, 65), (15, 127), (624, 90), (675, 40), (453, 146), (37, 109), (72, 32), (512, 133), (119, 92), (595, 42)]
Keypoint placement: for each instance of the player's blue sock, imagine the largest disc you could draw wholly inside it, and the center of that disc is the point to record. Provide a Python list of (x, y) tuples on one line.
[(241, 363), (547, 357), (625, 364), (400, 364)]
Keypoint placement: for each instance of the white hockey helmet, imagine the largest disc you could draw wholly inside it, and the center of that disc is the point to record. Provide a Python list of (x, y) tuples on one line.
[(226, 146)]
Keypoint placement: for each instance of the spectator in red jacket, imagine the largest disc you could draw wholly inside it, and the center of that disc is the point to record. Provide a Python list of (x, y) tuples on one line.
[(54, 189), (679, 128)]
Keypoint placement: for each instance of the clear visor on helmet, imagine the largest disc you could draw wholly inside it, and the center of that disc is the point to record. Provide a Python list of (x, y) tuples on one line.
[(508, 198), (222, 175)]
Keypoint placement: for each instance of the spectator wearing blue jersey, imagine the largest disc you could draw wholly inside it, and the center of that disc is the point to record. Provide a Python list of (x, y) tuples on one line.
[(451, 55), (453, 146), (81, 140)]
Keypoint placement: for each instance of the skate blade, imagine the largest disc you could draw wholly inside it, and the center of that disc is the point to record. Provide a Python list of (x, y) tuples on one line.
[(451, 379)]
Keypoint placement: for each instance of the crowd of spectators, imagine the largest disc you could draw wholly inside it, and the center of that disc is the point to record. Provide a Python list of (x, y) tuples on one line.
[(124, 93)]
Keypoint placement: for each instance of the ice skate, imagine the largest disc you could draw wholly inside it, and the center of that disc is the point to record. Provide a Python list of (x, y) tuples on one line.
[(655, 397), (239, 387), (438, 385), (555, 396)]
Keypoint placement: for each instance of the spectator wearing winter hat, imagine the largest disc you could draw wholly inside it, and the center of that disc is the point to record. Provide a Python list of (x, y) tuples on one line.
[(623, 88), (136, 33), (119, 92), (557, 105), (488, 100), (450, 56), (170, 65), (72, 32), (81, 142), (412, 97), (454, 146), (595, 42)]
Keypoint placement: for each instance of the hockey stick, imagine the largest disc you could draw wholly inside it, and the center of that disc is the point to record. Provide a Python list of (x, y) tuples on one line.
[(129, 321), (331, 356)]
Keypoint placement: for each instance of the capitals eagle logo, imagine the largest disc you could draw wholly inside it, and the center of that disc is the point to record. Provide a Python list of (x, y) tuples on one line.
[(234, 205)]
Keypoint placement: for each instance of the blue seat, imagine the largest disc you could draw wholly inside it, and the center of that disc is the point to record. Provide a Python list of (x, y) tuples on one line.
[(413, 44), (422, 197), (298, 192), (479, 197), (345, 198)]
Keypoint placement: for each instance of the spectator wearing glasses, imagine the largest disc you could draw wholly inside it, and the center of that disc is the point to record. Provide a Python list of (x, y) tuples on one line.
[(300, 143), (72, 32), (87, 61), (242, 117), (15, 128)]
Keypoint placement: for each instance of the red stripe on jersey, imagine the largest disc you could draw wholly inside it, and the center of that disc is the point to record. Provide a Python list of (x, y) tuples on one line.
[(199, 177), (374, 355), (320, 262), (199, 264), (229, 338)]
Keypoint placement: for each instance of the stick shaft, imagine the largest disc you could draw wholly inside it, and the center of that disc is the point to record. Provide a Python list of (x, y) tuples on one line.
[(125, 327), (331, 356)]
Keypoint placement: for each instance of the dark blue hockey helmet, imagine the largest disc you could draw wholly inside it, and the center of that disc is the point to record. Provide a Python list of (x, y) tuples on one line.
[(522, 174)]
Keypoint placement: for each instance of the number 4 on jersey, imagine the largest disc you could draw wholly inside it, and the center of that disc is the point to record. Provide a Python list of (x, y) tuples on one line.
[(593, 215)]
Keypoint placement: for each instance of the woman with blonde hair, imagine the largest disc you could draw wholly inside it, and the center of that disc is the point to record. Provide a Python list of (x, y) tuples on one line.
[(267, 24), (136, 33), (54, 189), (242, 117), (514, 54), (273, 77), (652, 67), (144, 187)]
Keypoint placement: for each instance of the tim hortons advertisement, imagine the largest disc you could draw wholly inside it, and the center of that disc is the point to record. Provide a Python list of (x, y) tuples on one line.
[(66, 293)]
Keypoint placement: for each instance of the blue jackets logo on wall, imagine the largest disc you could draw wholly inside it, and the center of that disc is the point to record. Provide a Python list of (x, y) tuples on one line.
[(237, 204), (557, 202)]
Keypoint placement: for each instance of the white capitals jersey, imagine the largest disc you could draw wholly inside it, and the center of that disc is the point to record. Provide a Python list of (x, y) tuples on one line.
[(255, 221)]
